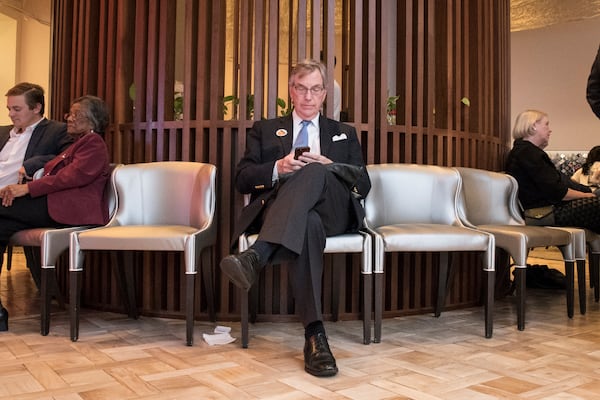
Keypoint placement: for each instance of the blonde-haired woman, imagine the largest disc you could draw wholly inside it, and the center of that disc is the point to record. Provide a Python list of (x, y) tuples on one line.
[(541, 185)]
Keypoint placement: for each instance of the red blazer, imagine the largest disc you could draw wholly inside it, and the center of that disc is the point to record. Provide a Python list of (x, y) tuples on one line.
[(74, 183)]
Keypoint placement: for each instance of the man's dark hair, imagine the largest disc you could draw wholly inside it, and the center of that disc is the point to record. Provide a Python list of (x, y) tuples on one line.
[(34, 94)]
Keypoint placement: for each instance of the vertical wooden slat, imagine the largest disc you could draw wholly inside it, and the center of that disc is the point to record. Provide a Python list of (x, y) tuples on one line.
[(302, 23), (272, 59), (328, 56), (259, 57), (316, 29)]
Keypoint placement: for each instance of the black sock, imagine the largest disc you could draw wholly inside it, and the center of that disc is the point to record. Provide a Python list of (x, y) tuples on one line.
[(264, 249), (314, 328)]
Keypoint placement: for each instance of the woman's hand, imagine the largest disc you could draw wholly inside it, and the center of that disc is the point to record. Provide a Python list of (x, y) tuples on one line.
[(573, 194), (10, 192)]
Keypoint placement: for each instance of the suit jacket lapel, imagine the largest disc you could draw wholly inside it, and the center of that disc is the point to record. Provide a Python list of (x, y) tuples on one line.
[(36, 136), (325, 135), (287, 124)]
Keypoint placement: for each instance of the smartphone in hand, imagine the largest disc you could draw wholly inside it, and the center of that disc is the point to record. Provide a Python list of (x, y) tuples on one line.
[(299, 150)]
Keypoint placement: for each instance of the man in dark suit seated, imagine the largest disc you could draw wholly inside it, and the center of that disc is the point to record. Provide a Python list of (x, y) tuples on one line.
[(296, 201), (28, 144)]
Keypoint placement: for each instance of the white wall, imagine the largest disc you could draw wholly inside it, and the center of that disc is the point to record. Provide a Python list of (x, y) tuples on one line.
[(34, 54), (25, 43), (8, 42), (549, 71)]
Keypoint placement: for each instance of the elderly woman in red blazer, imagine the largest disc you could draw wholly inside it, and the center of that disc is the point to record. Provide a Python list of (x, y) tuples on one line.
[(71, 190)]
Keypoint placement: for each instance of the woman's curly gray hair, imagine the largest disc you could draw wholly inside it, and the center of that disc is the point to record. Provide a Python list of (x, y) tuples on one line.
[(95, 110)]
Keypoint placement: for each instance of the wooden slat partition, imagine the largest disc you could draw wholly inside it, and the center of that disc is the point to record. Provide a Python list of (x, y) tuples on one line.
[(430, 53)]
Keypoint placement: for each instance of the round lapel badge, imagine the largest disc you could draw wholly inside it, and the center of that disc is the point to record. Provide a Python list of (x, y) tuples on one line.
[(281, 132)]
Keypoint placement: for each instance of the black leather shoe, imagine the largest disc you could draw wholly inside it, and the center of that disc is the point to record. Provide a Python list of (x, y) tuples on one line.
[(318, 360), (3, 319), (242, 269)]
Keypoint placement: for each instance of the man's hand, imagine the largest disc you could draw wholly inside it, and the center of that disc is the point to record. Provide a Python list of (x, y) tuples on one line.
[(288, 164), (8, 193), (23, 175), (312, 157)]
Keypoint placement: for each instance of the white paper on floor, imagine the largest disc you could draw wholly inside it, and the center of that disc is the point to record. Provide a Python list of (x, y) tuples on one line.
[(221, 336)]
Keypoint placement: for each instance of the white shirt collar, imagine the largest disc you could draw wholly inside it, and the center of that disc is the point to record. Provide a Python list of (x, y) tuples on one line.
[(29, 129), (298, 120)]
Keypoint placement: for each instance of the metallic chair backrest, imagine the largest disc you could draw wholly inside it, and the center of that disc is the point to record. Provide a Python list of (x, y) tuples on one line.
[(144, 194), (488, 198), (410, 193)]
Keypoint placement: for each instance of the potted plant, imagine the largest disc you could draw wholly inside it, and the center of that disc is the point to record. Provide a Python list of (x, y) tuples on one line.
[(391, 109)]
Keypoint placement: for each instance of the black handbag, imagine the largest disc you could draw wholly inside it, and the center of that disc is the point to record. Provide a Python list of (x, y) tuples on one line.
[(349, 174), (542, 216)]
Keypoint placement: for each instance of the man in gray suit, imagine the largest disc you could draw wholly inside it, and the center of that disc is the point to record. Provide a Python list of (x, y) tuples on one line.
[(28, 144), (296, 201)]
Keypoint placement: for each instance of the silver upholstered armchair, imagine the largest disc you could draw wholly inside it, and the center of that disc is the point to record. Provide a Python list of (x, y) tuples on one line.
[(412, 208), (52, 243), (489, 202), (161, 206)]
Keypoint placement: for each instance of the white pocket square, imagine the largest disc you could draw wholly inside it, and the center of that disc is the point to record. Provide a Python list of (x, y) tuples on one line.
[(341, 136)]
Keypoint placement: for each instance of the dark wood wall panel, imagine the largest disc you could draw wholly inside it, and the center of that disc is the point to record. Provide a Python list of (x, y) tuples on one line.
[(446, 60)]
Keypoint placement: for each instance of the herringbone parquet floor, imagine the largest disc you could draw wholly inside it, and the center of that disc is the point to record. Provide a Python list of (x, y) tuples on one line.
[(420, 357)]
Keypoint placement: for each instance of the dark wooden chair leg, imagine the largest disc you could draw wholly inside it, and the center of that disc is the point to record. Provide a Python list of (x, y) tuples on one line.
[(489, 303), (45, 299), (74, 303), (378, 306), (189, 308), (367, 306), (570, 272), (581, 286), (520, 283)]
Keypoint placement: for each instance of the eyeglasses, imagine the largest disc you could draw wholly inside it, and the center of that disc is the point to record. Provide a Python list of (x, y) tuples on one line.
[(74, 116), (315, 90)]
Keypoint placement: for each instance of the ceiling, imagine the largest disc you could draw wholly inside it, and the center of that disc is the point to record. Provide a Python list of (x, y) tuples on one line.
[(533, 14), (524, 14)]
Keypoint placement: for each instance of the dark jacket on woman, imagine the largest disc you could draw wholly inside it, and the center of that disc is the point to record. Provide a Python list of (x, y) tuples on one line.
[(540, 183)]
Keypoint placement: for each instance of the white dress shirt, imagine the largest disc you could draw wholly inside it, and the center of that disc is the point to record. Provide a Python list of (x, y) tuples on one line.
[(13, 154)]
